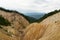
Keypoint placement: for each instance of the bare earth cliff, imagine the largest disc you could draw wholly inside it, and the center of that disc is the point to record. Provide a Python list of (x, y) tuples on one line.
[(48, 29), (15, 30)]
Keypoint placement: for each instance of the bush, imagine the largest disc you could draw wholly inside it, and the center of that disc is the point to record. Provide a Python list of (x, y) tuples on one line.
[(4, 22)]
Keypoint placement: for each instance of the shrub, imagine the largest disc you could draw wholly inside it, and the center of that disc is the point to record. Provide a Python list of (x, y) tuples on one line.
[(4, 21)]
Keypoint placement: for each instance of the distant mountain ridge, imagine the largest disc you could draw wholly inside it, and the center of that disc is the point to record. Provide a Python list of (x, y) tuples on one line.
[(30, 19), (35, 15)]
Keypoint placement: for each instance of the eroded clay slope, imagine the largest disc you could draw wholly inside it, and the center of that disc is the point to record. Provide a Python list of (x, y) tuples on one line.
[(48, 29), (15, 30)]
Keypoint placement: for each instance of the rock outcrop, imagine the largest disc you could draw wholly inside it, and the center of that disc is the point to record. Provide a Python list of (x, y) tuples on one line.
[(48, 29)]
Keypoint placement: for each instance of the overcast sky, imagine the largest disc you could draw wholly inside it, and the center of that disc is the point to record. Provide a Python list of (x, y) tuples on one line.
[(31, 5)]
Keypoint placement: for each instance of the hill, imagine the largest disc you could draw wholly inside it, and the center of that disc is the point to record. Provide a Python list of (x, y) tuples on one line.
[(46, 29), (12, 24), (47, 15), (16, 26)]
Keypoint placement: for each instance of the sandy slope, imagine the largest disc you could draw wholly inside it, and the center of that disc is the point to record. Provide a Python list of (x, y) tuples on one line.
[(48, 29), (18, 24)]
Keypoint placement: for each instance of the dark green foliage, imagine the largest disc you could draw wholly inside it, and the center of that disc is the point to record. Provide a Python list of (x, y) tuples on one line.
[(5, 30), (4, 22), (1, 27), (47, 15), (30, 19), (8, 10)]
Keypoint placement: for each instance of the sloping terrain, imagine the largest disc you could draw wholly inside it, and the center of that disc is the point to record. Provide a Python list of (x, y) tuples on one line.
[(15, 26), (17, 23), (47, 15), (48, 29), (30, 19)]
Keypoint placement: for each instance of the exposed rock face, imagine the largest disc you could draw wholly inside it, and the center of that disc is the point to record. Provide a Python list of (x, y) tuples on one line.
[(18, 23), (48, 29)]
